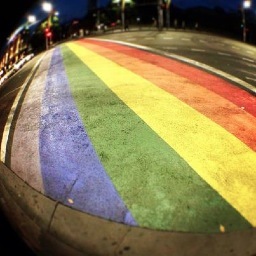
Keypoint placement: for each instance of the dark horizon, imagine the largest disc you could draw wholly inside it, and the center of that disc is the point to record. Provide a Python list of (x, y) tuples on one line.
[(9, 25)]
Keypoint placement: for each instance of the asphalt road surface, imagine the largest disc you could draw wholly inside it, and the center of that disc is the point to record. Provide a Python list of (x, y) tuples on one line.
[(77, 54), (230, 56)]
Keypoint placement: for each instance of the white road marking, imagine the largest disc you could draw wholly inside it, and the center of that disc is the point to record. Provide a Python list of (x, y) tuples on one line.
[(224, 54), (250, 78), (250, 65), (248, 72), (170, 48), (12, 113), (197, 50), (250, 60)]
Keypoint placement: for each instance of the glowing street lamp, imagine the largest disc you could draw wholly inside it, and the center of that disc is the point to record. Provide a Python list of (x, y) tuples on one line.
[(47, 7), (122, 4), (31, 19), (246, 5)]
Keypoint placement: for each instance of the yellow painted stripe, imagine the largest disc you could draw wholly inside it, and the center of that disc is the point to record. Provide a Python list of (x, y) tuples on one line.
[(222, 160)]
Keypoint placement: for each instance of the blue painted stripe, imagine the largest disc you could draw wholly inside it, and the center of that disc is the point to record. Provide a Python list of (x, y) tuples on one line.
[(70, 166)]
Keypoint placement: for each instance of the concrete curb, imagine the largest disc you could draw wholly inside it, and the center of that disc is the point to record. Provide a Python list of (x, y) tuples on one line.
[(51, 228)]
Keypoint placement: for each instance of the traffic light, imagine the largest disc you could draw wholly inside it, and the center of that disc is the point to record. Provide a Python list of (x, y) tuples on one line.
[(47, 32)]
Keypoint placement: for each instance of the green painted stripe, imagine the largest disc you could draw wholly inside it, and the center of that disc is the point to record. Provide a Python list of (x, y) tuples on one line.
[(158, 186)]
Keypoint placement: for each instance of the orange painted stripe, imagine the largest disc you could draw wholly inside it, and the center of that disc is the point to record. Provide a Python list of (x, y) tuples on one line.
[(225, 113), (239, 97)]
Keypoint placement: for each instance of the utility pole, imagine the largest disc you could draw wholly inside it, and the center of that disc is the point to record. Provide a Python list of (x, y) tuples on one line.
[(167, 12), (244, 24), (160, 14), (98, 13), (123, 13), (246, 5)]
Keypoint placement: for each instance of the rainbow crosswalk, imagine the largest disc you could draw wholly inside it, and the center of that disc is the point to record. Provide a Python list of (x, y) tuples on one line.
[(138, 138)]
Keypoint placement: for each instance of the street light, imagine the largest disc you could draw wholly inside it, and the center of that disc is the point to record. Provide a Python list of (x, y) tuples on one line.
[(122, 4), (160, 14), (47, 7), (31, 19), (246, 5)]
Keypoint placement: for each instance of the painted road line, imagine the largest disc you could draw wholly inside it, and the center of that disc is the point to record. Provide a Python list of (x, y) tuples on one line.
[(250, 78), (197, 50), (234, 119), (12, 113), (249, 60), (248, 72), (147, 173), (71, 170), (170, 48), (225, 75), (224, 54), (214, 166), (250, 65), (11, 92)]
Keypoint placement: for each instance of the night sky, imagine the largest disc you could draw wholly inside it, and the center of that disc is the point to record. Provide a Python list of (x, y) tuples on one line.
[(22, 8), (11, 15), (225, 4)]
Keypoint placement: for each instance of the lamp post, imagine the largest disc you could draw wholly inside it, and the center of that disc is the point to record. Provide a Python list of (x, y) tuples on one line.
[(47, 7), (98, 13), (31, 20), (246, 5), (123, 13), (167, 9), (160, 14), (122, 4)]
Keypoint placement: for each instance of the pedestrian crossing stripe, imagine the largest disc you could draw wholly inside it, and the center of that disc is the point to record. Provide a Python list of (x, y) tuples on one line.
[(215, 158)]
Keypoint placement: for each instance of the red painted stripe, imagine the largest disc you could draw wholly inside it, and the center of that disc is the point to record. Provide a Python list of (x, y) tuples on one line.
[(225, 113), (228, 91)]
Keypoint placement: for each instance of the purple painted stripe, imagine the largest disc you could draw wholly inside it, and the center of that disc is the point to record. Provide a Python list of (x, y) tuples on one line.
[(70, 166)]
